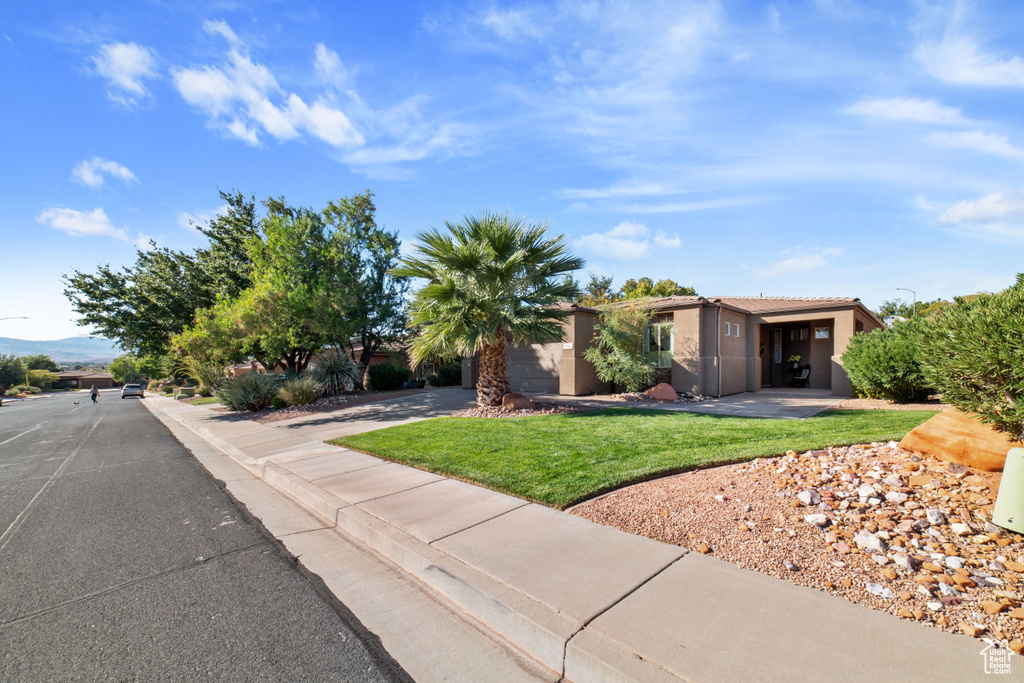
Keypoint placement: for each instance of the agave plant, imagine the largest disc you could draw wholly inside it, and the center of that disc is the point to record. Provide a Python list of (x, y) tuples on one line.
[(249, 392), (337, 373), (300, 390)]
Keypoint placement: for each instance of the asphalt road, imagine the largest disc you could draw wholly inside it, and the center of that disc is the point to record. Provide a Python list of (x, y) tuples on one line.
[(121, 559)]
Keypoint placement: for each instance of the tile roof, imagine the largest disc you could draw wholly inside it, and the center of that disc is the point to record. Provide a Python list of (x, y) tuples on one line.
[(762, 304)]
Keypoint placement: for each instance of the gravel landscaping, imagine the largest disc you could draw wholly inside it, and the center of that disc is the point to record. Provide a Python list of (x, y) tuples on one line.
[(872, 523)]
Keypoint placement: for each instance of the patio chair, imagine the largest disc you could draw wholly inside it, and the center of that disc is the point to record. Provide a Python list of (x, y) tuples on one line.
[(802, 376)]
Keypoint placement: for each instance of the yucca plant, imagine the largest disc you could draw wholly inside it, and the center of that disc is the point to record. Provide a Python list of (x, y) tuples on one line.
[(206, 373), (249, 392), (337, 373), (300, 390)]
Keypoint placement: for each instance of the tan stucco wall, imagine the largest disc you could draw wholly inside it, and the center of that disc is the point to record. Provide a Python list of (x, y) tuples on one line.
[(576, 376), (733, 353), (686, 355), (534, 367)]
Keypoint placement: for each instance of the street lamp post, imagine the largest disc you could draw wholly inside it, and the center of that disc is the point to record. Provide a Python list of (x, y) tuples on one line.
[(915, 297)]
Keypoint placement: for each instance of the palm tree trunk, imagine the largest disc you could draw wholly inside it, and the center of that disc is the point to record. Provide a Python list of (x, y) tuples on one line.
[(493, 381)]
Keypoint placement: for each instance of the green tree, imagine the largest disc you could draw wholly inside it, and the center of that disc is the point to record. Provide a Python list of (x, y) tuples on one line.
[(368, 253), (646, 287), (125, 369), (141, 306), (598, 291), (40, 362), (40, 378), (618, 350), (12, 372), (886, 363), (490, 279)]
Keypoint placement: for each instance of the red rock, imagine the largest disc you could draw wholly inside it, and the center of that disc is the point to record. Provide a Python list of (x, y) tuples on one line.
[(992, 607), (703, 549), (905, 613), (516, 402), (1014, 566), (662, 392), (1017, 613), (960, 437), (1016, 646), (970, 629)]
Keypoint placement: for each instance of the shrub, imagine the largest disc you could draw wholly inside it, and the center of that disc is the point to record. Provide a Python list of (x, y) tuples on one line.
[(975, 357), (886, 363), (387, 376), (207, 374), (13, 391), (38, 378), (249, 392), (277, 403), (618, 351), (300, 390), (446, 376), (337, 373)]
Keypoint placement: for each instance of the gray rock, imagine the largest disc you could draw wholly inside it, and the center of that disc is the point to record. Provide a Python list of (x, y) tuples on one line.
[(790, 566), (868, 541), (809, 497), (946, 589)]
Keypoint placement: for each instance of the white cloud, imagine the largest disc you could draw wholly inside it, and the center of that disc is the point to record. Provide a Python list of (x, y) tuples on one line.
[(995, 216), (665, 241), (635, 188), (626, 241), (239, 97), (82, 223), (906, 109), (329, 67), (125, 66), (514, 24), (91, 172), (958, 59), (979, 141), (799, 261)]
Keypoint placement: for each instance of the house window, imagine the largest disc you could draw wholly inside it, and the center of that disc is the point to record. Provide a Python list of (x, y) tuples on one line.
[(658, 343), (736, 329), (727, 327)]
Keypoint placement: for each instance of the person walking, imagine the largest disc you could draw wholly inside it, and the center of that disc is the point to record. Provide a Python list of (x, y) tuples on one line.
[(94, 393)]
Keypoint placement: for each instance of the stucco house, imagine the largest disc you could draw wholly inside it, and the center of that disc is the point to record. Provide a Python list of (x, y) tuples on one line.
[(706, 345)]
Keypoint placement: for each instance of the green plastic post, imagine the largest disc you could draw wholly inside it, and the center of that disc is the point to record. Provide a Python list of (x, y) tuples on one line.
[(1009, 510)]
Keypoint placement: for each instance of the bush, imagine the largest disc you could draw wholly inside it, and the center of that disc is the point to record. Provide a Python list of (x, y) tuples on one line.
[(886, 363), (300, 390), (337, 373), (618, 353), (207, 374), (249, 392), (975, 357), (387, 376), (277, 403), (13, 391), (448, 375)]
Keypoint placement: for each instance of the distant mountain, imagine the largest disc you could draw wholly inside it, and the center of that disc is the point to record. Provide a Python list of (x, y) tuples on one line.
[(70, 350)]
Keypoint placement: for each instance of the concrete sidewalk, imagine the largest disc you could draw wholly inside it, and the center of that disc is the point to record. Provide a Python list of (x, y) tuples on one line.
[(588, 602)]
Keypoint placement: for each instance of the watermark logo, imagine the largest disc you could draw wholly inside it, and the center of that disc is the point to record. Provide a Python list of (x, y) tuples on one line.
[(997, 657)]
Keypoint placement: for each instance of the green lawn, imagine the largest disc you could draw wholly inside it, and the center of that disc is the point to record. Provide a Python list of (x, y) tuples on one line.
[(560, 460)]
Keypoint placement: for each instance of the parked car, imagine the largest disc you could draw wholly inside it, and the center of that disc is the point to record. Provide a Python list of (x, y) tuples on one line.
[(132, 390)]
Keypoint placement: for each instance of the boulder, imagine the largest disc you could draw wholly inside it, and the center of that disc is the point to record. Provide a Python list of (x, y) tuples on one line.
[(516, 402), (662, 392), (960, 437)]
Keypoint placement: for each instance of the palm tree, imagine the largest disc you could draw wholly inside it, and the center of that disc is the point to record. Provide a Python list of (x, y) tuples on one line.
[(490, 279)]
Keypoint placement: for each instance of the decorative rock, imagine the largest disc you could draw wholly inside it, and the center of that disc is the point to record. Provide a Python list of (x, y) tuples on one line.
[(992, 607), (703, 549), (515, 401), (960, 529), (954, 562), (662, 392), (865, 491), (868, 541), (1014, 566), (905, 613), (809, 497), (962, 438), (841, 548), (934, 516), (790, 566), (889, 573), (896, 497), (1016, 646), (1017, 613), (932, 567), (934, 606), (904, 595), (970, 629), (819, 520), (918, 614), (879, 590)]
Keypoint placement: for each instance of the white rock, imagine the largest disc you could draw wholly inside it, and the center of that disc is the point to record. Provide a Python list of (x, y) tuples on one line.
[(866, 491), (809, 497), (879, 590), (873, 501), (902, 561), (935, 606), (935, 516), (892, 480), (880, 560), (819, 520), (868, 541), (720, 498), (960, 529), (896, 497), (946, 589)]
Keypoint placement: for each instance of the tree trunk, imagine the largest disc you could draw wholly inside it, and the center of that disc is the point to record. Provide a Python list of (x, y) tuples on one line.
[(493, 381)]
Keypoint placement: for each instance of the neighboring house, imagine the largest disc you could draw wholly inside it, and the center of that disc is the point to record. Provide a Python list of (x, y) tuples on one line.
[(705, 345), (83, 379)]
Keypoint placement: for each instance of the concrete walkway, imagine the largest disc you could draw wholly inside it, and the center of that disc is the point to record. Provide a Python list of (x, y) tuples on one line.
[(587, 602)]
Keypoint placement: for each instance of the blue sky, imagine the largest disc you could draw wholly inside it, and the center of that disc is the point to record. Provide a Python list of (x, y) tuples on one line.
[(817, 148)]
